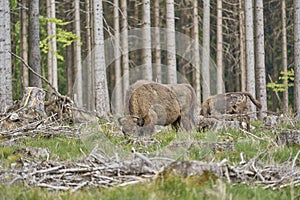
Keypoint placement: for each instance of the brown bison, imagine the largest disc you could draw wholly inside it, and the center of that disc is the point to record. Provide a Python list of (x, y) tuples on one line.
[(148, 104), (228, 103)]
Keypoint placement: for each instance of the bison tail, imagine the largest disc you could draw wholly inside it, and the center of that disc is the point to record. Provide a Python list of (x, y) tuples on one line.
[(256, 102)]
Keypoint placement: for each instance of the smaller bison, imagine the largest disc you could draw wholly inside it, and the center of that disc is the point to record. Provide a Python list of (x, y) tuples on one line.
[(228, 103), (148, 104)]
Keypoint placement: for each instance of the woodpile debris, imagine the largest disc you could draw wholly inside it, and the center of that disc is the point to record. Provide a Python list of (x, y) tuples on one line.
[(98, 170)]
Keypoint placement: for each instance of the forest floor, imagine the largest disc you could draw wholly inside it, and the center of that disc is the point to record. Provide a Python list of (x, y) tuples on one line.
[(50, 159)]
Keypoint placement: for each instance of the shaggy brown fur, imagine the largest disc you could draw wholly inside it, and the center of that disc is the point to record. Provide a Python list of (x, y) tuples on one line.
[(148, 103), (188, 103), (228, 103)]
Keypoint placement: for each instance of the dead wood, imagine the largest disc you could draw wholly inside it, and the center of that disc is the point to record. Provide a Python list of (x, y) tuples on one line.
[(98, 170)]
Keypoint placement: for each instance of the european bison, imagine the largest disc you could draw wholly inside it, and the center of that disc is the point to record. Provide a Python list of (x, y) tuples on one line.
[(148, 104), (228, 103)]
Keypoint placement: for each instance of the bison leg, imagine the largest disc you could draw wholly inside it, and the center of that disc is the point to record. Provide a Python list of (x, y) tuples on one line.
[(185, 123)]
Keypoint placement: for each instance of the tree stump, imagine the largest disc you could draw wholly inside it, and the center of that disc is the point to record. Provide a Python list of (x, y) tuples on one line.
[(33, 101)]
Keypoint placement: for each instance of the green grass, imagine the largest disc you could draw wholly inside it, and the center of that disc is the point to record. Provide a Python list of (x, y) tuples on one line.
[(167, 189), (202, 187)]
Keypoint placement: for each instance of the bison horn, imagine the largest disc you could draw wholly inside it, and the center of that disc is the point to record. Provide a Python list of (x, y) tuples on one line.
[(139, 120)]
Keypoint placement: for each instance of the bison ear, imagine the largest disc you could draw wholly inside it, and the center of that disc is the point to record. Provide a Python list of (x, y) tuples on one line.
[(138, 120)]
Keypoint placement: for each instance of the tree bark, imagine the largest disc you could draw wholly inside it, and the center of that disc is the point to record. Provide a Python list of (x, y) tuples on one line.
[(285, 105), (242, 46), (101, 89), (88, 94), (78, 66), (171, 44), (220, 86), (5, 61), (52, 47), (206, 50), (196, 51), (34, 43), (124, 45), (297, 57), (117, 59), (250, 64), (146, 51), (156, 41), (24, 43), (260, 57)]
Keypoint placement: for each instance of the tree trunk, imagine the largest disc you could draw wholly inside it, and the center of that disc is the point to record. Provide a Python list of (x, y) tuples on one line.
[(220, 84), (101, 90), (34, 43), (285, 105), (260, 57), (23, 43), (170, 40), (88, 94), (117, 108), (206, 50), (297, 57), (196, 51), (250, 50), (5, 61), (156, 41), (52, 48), (78, 67), (146, 51), (124, 45), (69, 56), (242, 46), (50, 52)]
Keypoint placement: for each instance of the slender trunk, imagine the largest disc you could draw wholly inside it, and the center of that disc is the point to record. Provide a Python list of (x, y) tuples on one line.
[(285, 106), (50, 52), (220, 88), (53, 46), (5, 61), (24, 43), (156, 41), (242, 47), (78, 67), (70, 57), (146, 51), (260, 57), (101, 89), (34, 43), (124, 45), (89, 96), (250, 50), (170, 40), (206, 50), (297, 57), (118, 82), (196, 50)]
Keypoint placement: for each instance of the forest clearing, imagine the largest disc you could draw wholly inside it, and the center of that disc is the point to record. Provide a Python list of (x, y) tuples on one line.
[(140, 99), (58, 158)]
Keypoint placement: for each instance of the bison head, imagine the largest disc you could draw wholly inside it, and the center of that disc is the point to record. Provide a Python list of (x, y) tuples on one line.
[(135, 125), (131, 124)]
